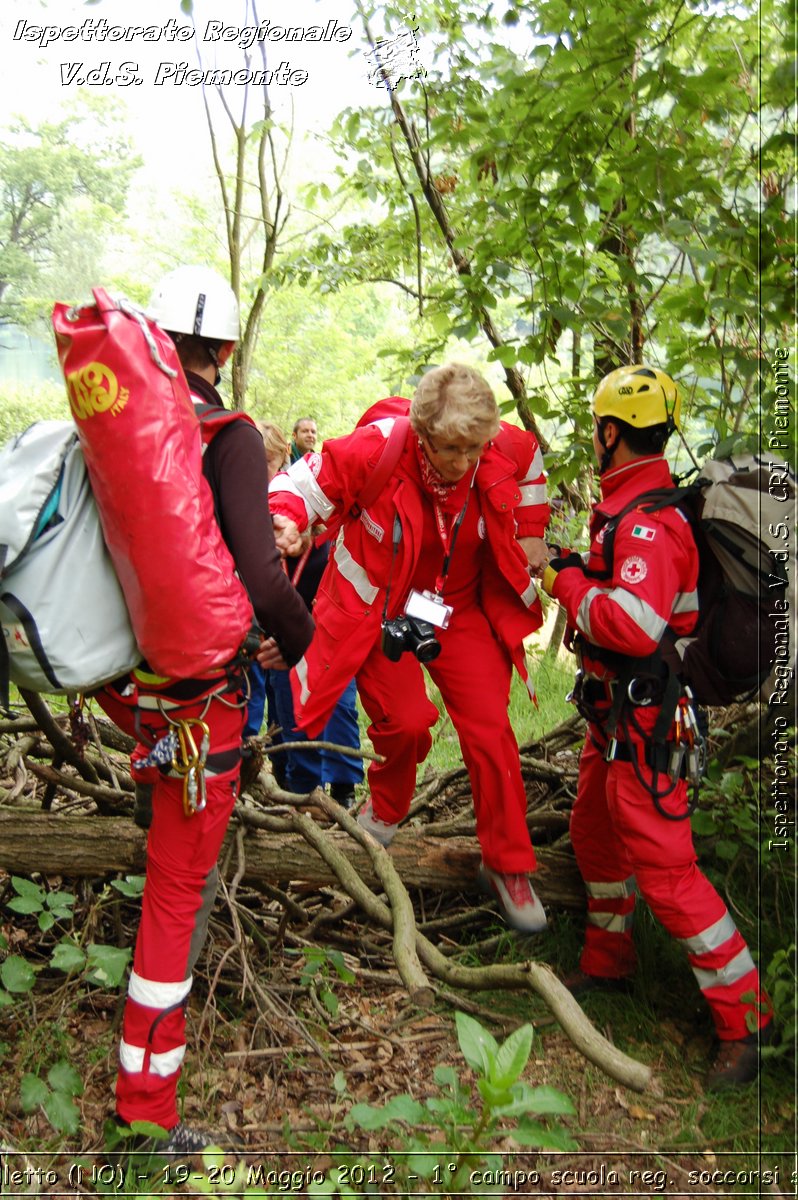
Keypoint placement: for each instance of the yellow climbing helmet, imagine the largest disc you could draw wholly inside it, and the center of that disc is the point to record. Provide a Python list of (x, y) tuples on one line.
[(640, 395)]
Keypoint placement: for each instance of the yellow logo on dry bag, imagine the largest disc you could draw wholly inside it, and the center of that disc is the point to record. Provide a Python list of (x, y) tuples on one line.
[(95, 389)]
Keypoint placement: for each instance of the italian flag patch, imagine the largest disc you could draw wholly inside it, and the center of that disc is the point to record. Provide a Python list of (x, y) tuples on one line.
[(644, 532)]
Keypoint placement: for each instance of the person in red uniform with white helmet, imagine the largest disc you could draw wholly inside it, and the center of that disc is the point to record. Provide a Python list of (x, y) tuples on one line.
[(629, 825), (453, 539), (199, 310)]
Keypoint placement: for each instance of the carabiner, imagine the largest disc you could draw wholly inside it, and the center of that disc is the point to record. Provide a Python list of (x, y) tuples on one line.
[(191, 765)]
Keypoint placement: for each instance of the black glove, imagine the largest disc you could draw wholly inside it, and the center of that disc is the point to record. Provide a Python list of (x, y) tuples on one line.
[(570, 560), (565, 560)]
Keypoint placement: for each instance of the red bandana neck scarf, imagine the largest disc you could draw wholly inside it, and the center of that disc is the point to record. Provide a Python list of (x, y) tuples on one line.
[(449, 496)]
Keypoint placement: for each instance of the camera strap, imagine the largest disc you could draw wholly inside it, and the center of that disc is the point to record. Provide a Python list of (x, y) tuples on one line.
[(448, 538), (396, 538)]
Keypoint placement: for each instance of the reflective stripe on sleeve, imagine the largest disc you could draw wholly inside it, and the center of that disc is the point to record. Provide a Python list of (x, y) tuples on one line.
[(529, 594), (385, 425), (583, 612), (535, 468), (533, 493), (307, 487), (302, 675), (685, 602), (153, 994), (640, 612)]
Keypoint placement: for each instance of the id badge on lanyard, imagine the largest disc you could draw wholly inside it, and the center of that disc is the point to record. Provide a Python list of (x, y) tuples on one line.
[(428, 606), (431, 606)]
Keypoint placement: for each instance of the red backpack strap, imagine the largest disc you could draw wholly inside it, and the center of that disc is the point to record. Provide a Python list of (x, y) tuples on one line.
[(391, 453), (212, 418), (389, 406)]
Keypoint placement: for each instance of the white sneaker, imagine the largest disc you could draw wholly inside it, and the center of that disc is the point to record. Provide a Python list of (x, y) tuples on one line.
[(381, 831), (520, 905)]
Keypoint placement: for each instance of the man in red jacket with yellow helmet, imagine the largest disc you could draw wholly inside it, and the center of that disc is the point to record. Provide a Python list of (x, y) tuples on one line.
[(629, 825)]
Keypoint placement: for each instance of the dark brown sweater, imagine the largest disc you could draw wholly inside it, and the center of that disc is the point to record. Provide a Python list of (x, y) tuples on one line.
[(235, 466)]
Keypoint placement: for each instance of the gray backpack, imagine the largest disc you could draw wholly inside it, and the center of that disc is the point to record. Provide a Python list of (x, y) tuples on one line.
[(742, 512), (64, 621)]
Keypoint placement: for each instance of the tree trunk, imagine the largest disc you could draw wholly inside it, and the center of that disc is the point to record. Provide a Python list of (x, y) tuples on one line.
[(91, 846)]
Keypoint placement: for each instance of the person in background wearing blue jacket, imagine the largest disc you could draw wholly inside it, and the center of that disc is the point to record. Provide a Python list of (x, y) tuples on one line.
[(300, 771)]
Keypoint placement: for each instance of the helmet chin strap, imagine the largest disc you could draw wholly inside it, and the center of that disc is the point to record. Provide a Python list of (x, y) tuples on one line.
[(214, 357), (609, 451)]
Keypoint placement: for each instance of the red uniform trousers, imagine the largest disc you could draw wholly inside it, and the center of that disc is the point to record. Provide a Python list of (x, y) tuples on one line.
[(178, 896), (623, 846), (473, 673)]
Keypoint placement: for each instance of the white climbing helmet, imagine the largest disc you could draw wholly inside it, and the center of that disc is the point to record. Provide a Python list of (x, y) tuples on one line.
[(196, 300)]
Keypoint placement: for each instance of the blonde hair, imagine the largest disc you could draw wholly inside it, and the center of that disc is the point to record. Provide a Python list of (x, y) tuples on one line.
[(453, 402), (274, 440)]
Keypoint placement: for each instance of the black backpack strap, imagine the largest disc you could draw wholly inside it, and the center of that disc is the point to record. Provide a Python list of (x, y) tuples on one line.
[(5, 679), (649, 502), (656, 665)]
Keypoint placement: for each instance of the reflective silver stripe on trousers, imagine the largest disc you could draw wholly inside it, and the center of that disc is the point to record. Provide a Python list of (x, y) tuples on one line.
[(612, 922), (739, 966), (153, 994), (711, 938), (353, 572), (165, 1064), (601, 891)]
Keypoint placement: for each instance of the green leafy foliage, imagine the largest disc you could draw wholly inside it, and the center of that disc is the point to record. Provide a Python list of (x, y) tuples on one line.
[(781, 982), (107, 964), (131, 886), (319, 967), (52, 1090), (593, 172), (17, 975), (32, 898), (467, 1120), (69, 172), (55, 1097)]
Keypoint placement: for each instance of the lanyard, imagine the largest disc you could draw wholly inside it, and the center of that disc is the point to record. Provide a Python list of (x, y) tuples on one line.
[(297, 575), (448, 538)]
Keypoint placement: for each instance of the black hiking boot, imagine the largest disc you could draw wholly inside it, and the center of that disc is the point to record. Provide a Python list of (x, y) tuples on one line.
[(343, 794), (179, 1145), (579, 984), (737, 1063)]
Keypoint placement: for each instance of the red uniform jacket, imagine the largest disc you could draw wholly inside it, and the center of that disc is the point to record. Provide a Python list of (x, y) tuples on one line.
[(654, 575), (349, 604)]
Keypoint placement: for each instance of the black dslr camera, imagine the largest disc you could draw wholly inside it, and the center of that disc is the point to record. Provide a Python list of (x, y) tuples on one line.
[(409, 633)]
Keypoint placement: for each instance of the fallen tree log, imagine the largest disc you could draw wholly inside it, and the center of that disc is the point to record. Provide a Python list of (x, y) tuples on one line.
[(533, 975), (79, 845)]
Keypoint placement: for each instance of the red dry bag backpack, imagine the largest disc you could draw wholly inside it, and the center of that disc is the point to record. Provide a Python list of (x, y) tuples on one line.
[(142, 446)]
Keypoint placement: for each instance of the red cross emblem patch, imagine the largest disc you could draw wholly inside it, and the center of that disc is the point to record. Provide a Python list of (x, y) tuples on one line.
[(634, 570)]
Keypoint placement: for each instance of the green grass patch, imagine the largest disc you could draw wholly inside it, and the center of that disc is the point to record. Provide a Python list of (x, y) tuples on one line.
[(553, 681)]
